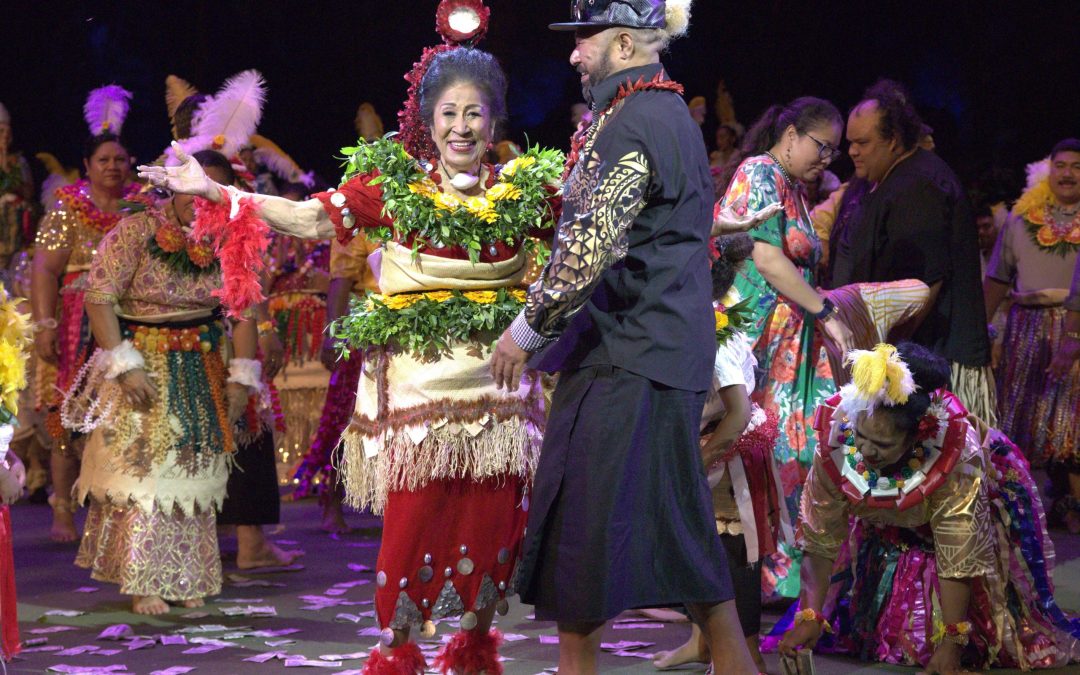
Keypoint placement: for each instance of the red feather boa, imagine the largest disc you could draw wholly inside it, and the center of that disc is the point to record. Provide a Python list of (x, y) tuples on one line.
[(240, 243), (471, 651), (404, 660)]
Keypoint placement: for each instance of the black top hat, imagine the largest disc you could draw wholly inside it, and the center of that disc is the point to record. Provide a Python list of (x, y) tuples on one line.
[(604, 13)]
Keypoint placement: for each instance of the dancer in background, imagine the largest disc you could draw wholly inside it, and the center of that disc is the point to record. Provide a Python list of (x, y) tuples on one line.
[(155, 401), (83, 213)]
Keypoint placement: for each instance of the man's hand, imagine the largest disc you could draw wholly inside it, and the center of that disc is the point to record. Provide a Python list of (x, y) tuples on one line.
[(137, 388), (328, 354), (188, 178), (508, 363)]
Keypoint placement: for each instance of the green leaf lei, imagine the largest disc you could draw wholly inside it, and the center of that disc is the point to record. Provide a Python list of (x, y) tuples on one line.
[(416, 206), (736, 319), (426, 323)]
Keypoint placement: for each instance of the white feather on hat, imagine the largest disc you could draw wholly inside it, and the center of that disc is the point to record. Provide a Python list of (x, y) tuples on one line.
[(226, 120)]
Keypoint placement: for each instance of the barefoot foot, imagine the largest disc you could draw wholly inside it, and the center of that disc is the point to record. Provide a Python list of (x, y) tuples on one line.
[(63, 526), (192, 604), (690, 652), (333, 520), (267, 555), (151, 605)]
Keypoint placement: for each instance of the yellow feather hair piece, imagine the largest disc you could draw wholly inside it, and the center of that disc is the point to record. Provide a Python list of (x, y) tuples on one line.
[(879, 377)]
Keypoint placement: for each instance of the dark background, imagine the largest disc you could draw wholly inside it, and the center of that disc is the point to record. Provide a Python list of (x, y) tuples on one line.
[(997, 80)]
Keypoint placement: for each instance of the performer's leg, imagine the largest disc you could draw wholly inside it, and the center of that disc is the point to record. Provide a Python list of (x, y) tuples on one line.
[(579, 645), (720, 623), (64, 471)]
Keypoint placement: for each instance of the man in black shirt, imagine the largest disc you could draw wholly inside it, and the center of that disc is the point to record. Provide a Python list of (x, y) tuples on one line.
[(621, 515), (916, 223)]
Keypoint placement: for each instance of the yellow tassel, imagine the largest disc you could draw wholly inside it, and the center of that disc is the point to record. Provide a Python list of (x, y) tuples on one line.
[(870, 369)]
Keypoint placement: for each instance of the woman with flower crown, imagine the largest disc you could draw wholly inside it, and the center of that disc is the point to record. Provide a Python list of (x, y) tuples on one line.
[(155, 401), (433, 445), (66, 239), (932, 525)]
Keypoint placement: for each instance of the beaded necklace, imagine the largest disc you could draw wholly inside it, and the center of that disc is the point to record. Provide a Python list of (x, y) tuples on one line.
[(787, 176), (873, 478)]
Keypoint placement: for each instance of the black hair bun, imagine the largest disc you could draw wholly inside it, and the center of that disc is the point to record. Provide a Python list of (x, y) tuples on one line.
[(929, 370)]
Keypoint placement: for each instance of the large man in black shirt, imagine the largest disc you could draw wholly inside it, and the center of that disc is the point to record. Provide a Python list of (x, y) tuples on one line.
[(621, 515), (916, 223)]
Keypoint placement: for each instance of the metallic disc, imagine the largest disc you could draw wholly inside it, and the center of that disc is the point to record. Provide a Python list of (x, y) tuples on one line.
[(504, 556), (448, 572), (427, 558), (380, 579), (386, 636), (464, 549), (502, 607), (428, 629), (465, 566), (426, 573), (403, 583), (468, 621)]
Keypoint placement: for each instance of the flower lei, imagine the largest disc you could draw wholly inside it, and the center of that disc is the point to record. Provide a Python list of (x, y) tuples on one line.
[(659, 82), (929, 441), (1052, 235), (425, 323), (75, 199), (732, 316), (1036, 207), (180, 252), (518, 202)]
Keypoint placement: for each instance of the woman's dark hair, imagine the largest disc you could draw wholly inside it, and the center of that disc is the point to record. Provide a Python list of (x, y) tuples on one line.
[(185, 115), (804, 113), (213, 158), (930, 372), (98, 140), (1065, 145), (464, 65), (899, 119), (733, 249)]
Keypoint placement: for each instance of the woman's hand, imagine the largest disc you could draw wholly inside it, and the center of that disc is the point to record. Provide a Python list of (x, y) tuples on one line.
[(803, 635), (45, 345), (12, 480), (945, 661), (727, 221), (237, 396), (188, 178), (839, 333), (137, 388), (273, 354), (713, 447)]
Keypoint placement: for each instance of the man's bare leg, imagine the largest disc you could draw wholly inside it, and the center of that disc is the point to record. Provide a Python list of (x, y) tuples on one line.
[(724, 635), (579, 645)]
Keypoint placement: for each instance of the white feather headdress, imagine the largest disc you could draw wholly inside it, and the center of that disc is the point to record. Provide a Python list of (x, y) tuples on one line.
[(106, 109), (226, 120)]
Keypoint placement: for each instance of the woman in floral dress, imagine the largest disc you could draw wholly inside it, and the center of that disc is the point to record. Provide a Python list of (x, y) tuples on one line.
[(795, 143)]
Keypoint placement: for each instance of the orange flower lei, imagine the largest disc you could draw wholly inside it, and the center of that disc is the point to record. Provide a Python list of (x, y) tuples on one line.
[(1052, 235)]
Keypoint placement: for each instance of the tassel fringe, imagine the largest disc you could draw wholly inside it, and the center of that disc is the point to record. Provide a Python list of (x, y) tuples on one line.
[(404, 660), (471, 652)]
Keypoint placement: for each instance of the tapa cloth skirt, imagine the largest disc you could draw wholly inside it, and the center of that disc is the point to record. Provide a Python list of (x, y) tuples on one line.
[(622, 514)]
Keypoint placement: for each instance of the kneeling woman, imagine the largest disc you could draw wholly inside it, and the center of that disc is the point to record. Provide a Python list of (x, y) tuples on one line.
[(948, 552), (156, 399)]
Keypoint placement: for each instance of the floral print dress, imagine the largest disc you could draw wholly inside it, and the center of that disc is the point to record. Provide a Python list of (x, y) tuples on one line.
[(797, 375)]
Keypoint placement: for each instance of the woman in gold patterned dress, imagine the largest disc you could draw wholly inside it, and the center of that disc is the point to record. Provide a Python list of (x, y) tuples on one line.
[(155, 400), (936, 523), (67, 237)]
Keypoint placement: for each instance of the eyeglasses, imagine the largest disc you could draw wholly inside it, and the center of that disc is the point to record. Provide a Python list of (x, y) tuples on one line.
[(826, 151)]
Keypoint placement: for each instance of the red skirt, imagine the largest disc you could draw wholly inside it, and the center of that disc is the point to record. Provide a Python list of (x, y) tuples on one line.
[(448, 549), (9, 613)]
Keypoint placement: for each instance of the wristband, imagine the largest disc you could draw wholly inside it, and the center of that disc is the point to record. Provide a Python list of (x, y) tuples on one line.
[(813, 615), (827, 310), (247, 372), (958, 633), (122, 358), (45, 324)]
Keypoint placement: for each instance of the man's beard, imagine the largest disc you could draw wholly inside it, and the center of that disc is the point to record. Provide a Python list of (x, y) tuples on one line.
[(596, 76)]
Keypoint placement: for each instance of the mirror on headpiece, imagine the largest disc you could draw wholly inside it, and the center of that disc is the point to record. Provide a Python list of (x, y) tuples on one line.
[(462, 21)]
